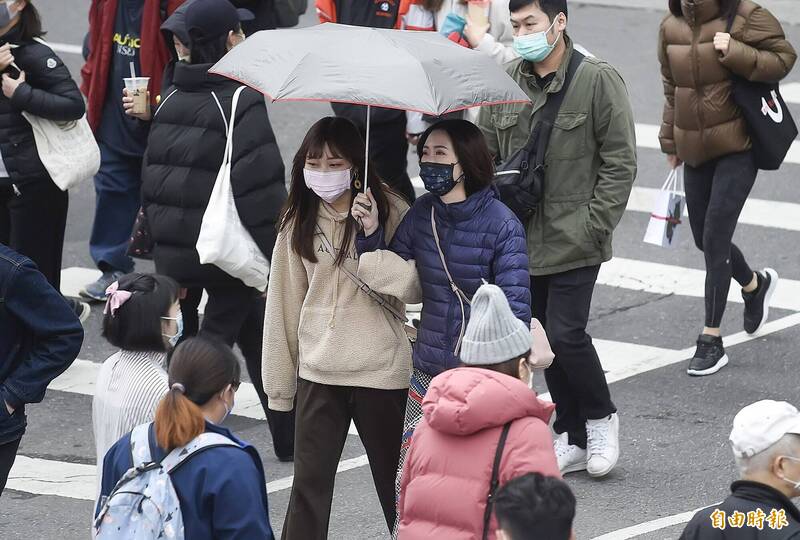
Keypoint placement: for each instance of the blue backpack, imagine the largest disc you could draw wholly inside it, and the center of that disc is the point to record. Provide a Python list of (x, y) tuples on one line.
[(143, 504)]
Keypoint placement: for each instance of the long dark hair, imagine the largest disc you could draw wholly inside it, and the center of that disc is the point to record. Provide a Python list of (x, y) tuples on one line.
[(470, 149), (726, 8), (345, 142), (30, 23), (202, 367)]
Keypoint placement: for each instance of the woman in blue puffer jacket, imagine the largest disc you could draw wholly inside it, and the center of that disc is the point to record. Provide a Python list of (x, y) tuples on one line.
[(479, 239)]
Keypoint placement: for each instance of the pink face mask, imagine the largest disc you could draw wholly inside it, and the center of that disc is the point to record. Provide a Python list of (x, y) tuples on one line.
[(329, 185)]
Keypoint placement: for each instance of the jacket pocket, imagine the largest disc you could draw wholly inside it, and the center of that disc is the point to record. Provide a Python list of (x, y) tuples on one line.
[(505, 124), (568, 139), (337, 345)]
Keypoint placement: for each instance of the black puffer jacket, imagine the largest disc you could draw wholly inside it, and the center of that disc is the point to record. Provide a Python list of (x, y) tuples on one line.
[(49, 92), (184, 154)]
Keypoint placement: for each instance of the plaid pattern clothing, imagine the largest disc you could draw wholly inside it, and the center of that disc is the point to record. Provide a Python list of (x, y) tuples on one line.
[(418, 387)]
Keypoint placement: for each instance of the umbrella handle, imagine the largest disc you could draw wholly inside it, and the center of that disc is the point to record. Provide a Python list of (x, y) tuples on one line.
[(366, 154)]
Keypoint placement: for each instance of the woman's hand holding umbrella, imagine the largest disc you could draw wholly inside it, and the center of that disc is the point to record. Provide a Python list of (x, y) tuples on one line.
[(365, 211)]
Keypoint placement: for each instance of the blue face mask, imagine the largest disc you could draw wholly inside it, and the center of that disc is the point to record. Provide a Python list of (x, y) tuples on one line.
[(438, 177), (453, 23), (535, 47), (173, 340)]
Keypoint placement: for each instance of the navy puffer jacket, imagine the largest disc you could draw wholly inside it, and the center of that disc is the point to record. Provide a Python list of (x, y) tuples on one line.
[(481, 240)]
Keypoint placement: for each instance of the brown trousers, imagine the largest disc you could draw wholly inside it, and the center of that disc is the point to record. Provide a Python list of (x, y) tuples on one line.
[(323, 418)]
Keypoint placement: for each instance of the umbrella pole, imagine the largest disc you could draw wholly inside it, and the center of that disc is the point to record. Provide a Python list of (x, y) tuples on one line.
[(366, 156)]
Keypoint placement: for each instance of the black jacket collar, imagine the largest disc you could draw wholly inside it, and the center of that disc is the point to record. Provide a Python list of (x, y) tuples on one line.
[(761, 493), (196, 78)]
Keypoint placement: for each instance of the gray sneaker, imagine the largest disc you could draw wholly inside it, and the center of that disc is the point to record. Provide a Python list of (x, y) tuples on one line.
[(96, 291)]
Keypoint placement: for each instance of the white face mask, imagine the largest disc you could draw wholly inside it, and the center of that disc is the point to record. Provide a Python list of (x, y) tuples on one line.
[(328, 185), (794, 483)]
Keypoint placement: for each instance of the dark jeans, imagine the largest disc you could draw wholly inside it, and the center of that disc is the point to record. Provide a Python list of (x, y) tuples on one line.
[(33, 223), (117, 188), (576, 379), (235, 314), (715, 195), (8, 453), (323, 419)]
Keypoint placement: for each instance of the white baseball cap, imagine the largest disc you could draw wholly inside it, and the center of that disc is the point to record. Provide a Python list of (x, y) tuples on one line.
[(762, 424)]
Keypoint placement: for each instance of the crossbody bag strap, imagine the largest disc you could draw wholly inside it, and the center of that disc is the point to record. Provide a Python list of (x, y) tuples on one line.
[(732, 17), (458, 292), (362, 286), (495, 481)]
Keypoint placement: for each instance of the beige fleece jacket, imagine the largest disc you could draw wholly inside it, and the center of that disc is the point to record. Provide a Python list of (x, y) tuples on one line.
[(319, 326)]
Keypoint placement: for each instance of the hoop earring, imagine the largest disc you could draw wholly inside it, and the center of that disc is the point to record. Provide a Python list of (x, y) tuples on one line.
[(357, 184)]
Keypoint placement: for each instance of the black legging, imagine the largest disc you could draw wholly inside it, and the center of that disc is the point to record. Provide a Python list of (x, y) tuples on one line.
[(715, 195)]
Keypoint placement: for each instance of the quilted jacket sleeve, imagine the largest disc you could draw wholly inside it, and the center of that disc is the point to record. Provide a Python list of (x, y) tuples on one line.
[(666, 134), (257, 174), (529, 449), (510, 269), (762, 53), (49, 91)]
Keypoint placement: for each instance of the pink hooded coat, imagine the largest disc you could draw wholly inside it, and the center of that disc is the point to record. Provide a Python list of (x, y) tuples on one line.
[(448, 468)]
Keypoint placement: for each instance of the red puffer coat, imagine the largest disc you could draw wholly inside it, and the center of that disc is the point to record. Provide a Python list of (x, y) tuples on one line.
[(448, 468)]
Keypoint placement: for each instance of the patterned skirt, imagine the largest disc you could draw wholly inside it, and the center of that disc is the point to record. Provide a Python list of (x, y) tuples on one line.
[(420, 381)]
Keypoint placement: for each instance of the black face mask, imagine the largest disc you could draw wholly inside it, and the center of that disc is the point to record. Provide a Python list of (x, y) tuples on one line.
[(438, 177)]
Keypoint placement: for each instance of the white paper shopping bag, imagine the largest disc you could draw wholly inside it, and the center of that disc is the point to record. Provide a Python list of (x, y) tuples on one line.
[(667, 214)]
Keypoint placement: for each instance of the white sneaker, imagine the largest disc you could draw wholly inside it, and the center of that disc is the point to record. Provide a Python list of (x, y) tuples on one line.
[(602, 444), (570, 458)]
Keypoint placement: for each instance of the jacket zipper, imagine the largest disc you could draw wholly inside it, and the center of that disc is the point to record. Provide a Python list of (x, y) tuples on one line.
[(17, 192)]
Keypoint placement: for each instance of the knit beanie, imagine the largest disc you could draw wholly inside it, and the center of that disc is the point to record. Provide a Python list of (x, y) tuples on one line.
[(494, 334)]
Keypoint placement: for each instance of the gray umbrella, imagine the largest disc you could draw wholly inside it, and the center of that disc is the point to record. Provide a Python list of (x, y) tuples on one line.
[(412, 71)]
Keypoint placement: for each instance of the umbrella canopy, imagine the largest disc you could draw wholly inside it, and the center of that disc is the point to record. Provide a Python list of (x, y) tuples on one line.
[(413, 71)]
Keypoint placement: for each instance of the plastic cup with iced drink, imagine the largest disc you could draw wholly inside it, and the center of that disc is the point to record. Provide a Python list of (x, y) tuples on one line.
[(137, 89)]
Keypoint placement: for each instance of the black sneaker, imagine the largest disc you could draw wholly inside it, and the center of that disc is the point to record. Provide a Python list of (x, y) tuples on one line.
[(81, 309), (756, 303), (709, 357)]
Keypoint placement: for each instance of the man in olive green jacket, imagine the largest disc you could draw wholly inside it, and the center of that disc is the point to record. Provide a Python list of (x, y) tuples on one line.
[(590, 169)]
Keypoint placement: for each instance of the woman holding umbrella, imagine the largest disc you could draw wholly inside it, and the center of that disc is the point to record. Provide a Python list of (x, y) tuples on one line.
[(451, 241), (331, 346)]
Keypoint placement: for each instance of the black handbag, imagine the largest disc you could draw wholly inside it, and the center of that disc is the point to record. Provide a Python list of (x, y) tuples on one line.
[(520, 179), (140, 245), (770, 124)]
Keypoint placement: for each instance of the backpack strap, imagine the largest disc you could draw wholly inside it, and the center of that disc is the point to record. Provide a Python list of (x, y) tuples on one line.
[(140, 445), (732, 17), (362, 286), (204, 441), (495, 483)]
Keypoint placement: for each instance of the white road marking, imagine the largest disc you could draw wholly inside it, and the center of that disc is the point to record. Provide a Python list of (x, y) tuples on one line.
[(664, 279), (791, 92), (650, 526), (758, 212), (66, 48), (77, 480)]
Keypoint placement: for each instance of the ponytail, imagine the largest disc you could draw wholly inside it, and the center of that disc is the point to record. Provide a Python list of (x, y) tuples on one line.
[(199, 369), (178, 420)]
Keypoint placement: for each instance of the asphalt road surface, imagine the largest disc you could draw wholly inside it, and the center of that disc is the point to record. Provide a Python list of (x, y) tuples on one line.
[(646, 315)]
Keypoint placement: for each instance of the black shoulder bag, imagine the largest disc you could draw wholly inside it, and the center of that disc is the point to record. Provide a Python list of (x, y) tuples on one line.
[(498, 457), (520, 179), (770, 124)]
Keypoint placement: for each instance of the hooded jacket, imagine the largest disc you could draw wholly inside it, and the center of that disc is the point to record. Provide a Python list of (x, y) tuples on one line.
[(448, 468), (184, 154), (317, 319), (701, 120), (49, 92), (481, 240)]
